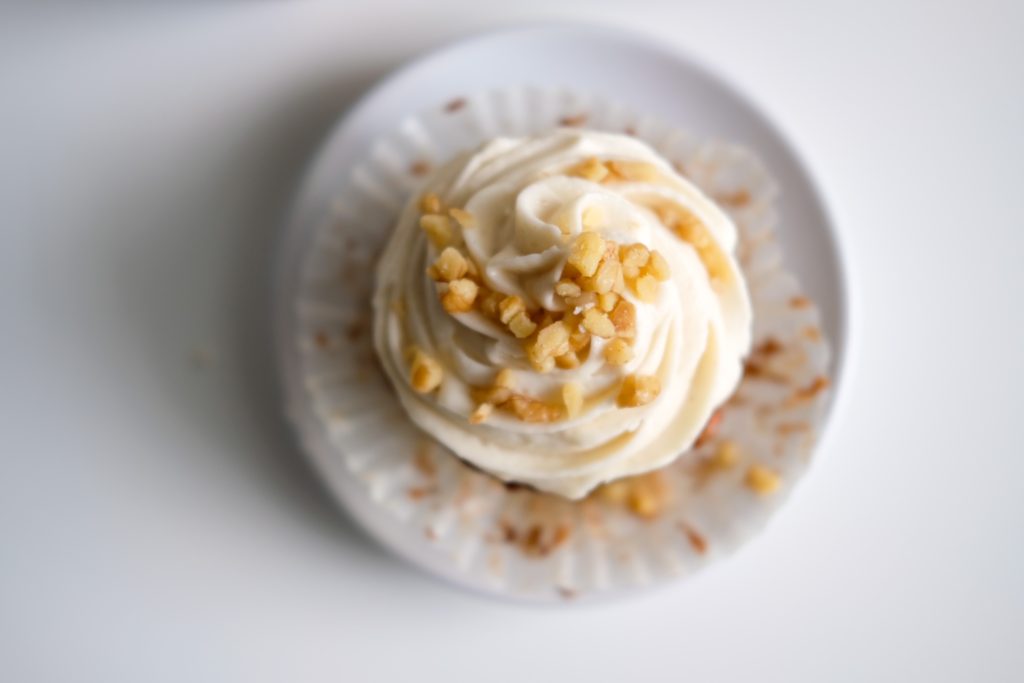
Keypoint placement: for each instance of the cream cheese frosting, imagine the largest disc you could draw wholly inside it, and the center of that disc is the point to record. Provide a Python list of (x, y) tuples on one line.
[(562, 310)]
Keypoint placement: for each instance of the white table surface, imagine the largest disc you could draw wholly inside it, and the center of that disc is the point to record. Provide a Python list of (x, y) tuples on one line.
[(157, 522)]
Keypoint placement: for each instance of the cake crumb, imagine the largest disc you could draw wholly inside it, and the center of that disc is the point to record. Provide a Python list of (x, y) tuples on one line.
[(455, 105), (696, 540)]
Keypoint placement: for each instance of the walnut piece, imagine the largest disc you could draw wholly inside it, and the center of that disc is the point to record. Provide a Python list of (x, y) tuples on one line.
[(638, 390), (460, 296), (762, 480), (592, 169), (521, 326), (623, 317), (464, 218), (572, 398), (438, 229), (450, 265), (585, 253), (596, 322), (618, 352), (425, 373), (430, 203)]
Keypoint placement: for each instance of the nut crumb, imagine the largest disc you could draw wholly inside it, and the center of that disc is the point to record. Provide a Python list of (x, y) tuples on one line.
[(696, 540), (455, 105), (762, 480), (638, 390), (573, 120)]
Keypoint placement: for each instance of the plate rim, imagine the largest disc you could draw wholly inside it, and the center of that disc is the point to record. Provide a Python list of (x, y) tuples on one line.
[(288, 250)]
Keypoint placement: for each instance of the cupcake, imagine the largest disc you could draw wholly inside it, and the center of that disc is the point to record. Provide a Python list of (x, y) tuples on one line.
[(563, 310), (554, 354)]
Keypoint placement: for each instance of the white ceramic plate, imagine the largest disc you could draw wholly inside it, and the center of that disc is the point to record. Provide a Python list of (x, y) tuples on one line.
[(628, 67)]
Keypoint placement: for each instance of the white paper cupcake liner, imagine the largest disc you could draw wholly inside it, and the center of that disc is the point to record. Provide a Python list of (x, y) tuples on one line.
[(514, 541)]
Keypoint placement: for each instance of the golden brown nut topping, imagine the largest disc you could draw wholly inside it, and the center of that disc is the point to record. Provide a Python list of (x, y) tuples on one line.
[(460, 296), (762, 480), (592, 169), (552, 340), (572, 397), (623, 317), (646, 288), (596, 322), (450, 265), (726, 455), (634, 257), (638, 390), (438, 229), (638, 171), (585, 253), (567, 289), (605, 278), (606, 302), (658, 267), (521, 326), (592, 218), (618, 352), (509, 307), (568, 360), (430, 203), (482, 412), (464, 218), (531, 410), (489, 301), (425, 372), (495, 395), (505, 378)]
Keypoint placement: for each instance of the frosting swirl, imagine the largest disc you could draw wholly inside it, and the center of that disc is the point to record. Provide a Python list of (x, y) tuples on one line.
[(562, 310)]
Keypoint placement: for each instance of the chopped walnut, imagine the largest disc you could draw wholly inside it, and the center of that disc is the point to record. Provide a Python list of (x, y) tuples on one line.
[(568, 360), (606, 302), (464, 218), (460, 296), (584, 300), (425, 373), (450, 265), (552, 340), (726, 456), (592, 217), (430, 203), (521, 326), (596, 322), (646, 288), (489, 302), (633, 257), (567, 289), (505, 378), (531, 410), (639, 171), (592, 169), (494, 395), (658, 267), (605, 278), (638, 390), (585, 252), (618, 352), (762, 480), (689, 227), (572, 397), (438, 228), (509, 307), (623, 317), (482, 412)]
